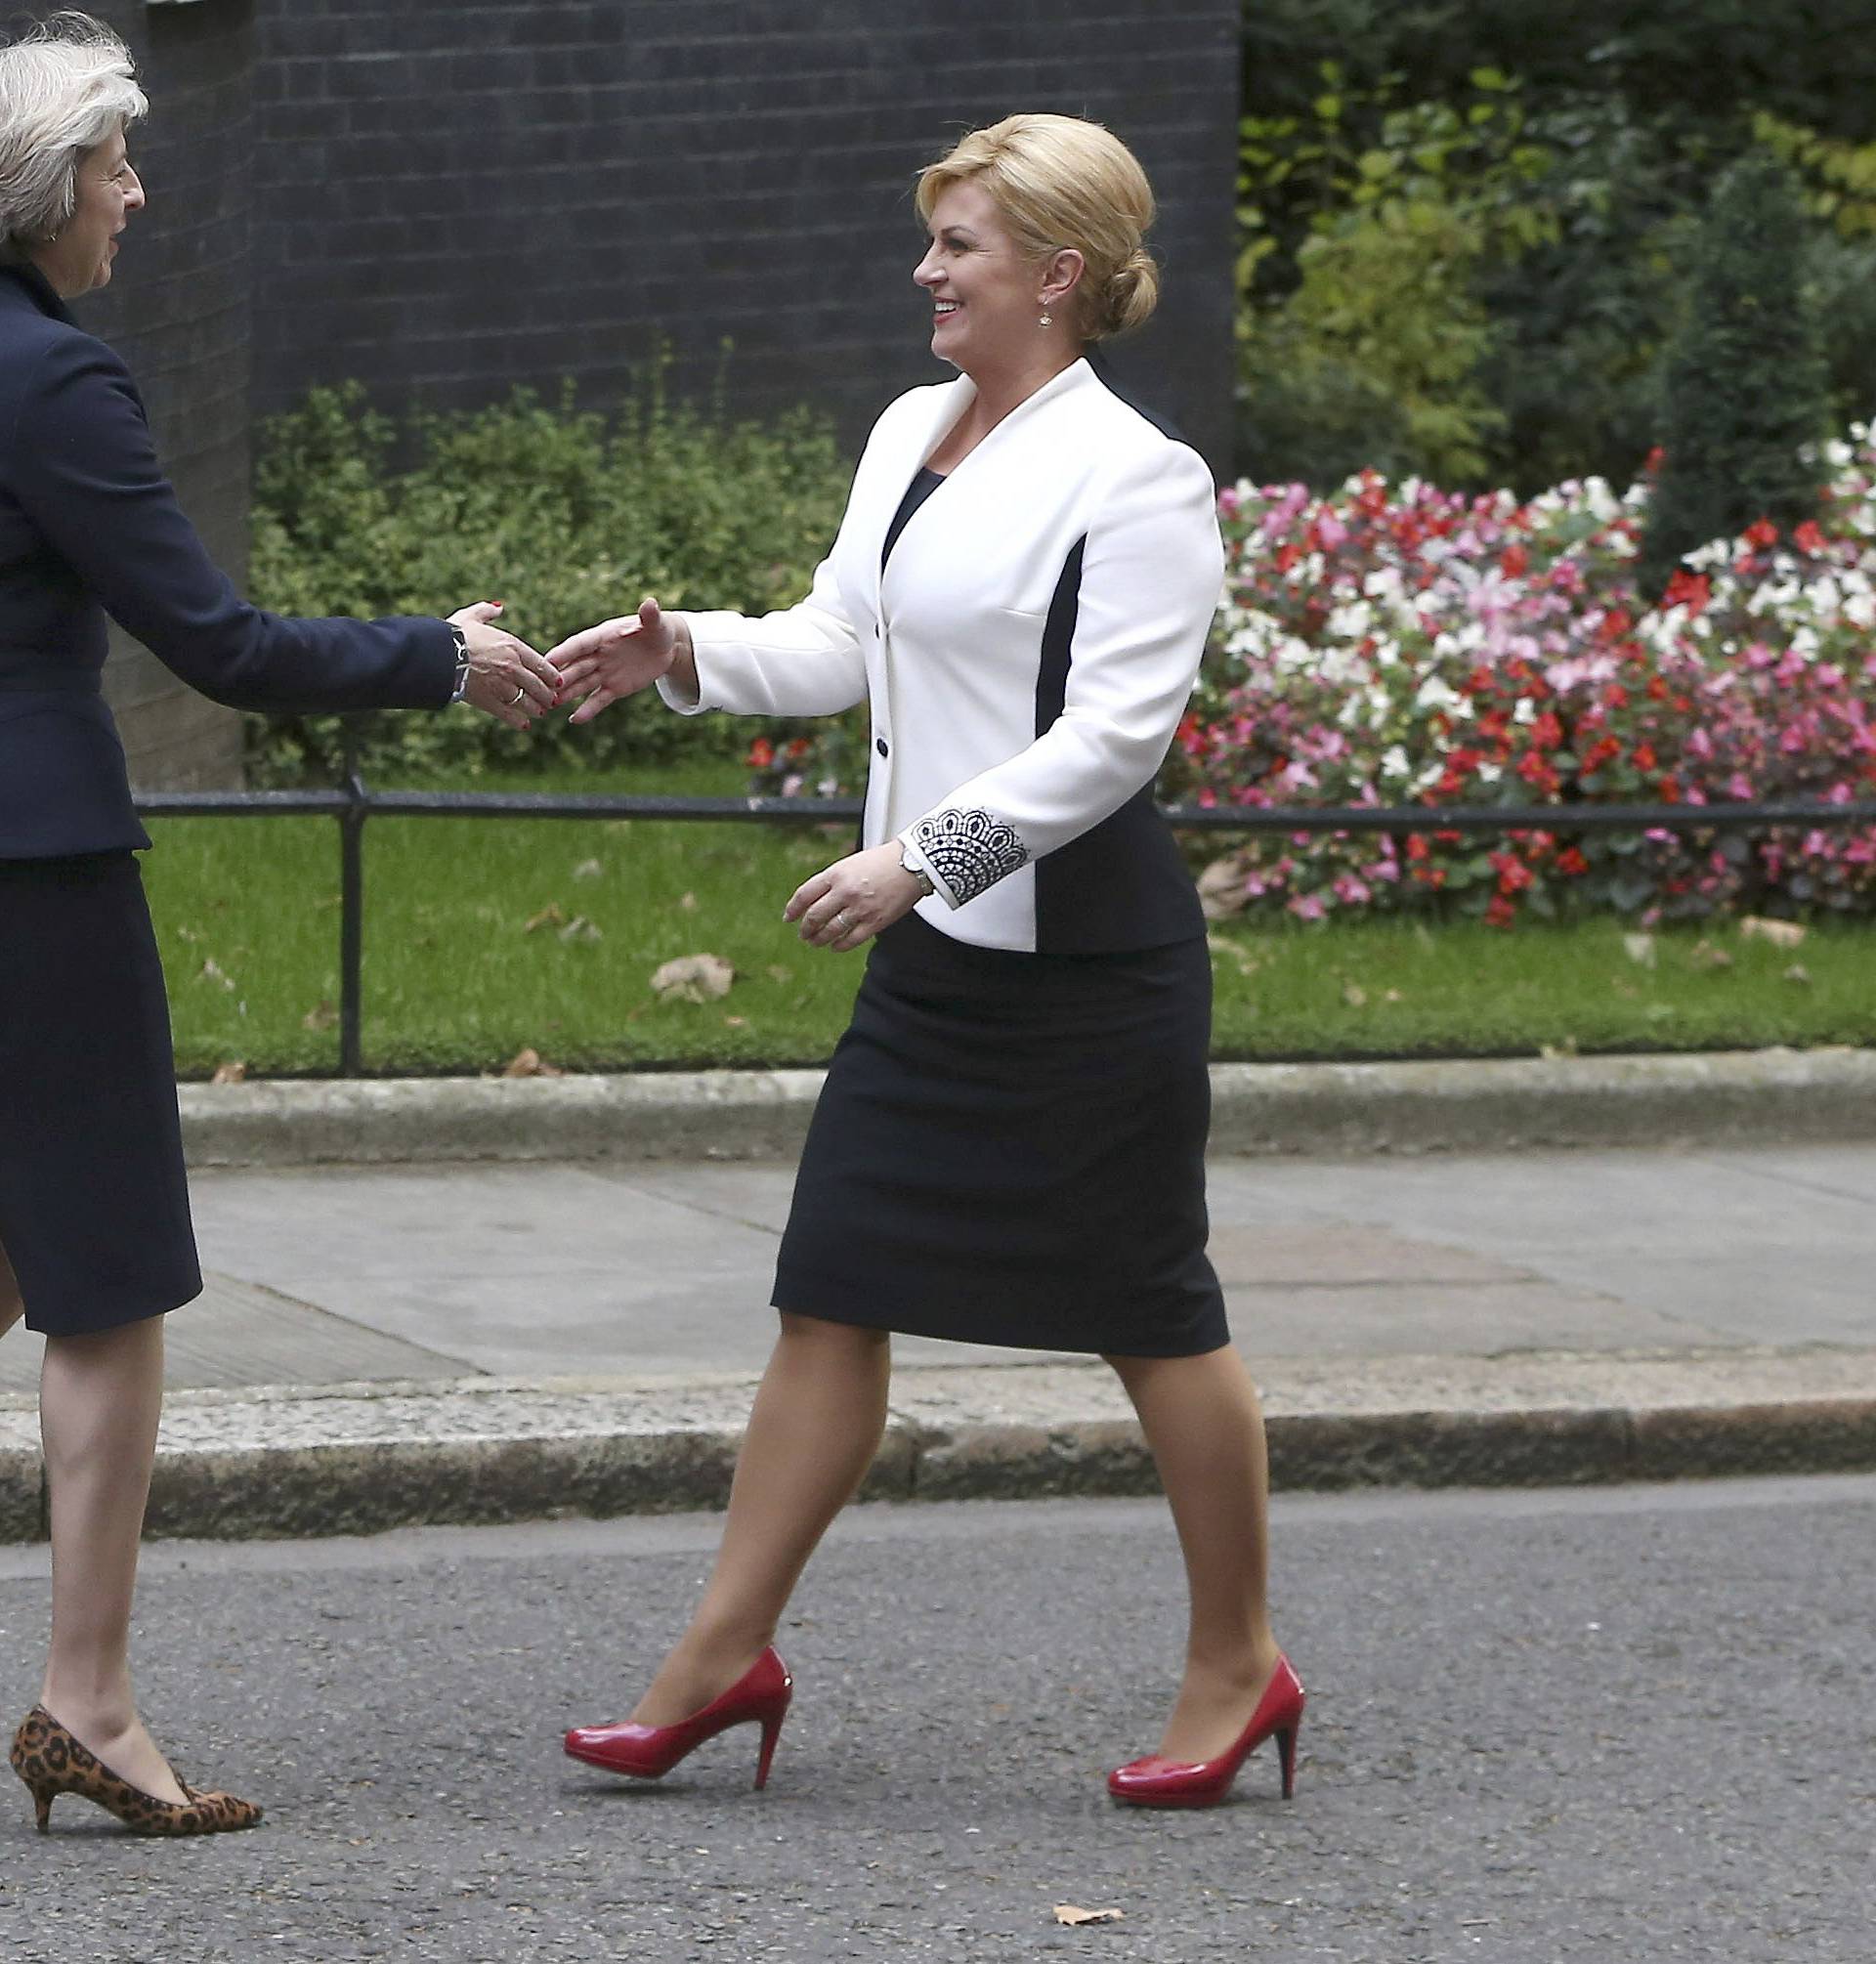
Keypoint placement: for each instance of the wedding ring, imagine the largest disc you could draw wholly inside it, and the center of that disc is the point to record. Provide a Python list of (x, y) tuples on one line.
[(841, 921), (519, 694)]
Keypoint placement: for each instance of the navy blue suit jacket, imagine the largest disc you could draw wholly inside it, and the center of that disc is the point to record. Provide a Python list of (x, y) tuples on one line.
[(90, 526)]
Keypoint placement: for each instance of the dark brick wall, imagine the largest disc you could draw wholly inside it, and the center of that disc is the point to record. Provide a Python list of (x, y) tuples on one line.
[(178, 310), (455, 195)]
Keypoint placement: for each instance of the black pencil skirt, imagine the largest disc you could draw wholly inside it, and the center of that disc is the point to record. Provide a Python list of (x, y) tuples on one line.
[(1010, 1149), (94, 1204)]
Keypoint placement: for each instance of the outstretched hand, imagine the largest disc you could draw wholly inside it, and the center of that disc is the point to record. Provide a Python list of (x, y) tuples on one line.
[(507, 678), (599, 666)]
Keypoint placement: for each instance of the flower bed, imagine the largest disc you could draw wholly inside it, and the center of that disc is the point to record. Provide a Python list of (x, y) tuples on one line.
[(1406, 646)]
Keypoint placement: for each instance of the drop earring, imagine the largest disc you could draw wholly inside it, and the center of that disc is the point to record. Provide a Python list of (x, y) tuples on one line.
[(1046, 317)]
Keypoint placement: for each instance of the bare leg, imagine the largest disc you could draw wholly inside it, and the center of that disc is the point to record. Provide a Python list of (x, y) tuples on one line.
[(814, 1430), (1205, 1426), (100, 1398), (12, 1307)]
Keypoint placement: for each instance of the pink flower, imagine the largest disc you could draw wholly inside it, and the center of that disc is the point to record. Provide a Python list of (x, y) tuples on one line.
[(1307, 907)]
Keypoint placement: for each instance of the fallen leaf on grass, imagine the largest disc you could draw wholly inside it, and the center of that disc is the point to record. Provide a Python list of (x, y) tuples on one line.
[(530, 1063), (1706, 955), (687, 903), (321, 1016), (735, 1022), (1354, 995), (579, 928), (1640, 948), (213, 971), (231, 1073), (777, 973), (1075, 1916), (1554, 1053), (1394, 996), (589, 868), (549, 916), (1221, 890), (693, 979), (1797, 972), (1780, 933), (1248, 964)]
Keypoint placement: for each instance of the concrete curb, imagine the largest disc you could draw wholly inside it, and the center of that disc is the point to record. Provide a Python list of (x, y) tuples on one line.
[(1319, 1110), (358, 1459)]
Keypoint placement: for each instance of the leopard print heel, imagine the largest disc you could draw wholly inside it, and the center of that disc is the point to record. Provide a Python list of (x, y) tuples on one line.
[(51, 1763)]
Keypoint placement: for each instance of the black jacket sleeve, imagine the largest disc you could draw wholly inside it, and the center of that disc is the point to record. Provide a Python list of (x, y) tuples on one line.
[(86, 471)]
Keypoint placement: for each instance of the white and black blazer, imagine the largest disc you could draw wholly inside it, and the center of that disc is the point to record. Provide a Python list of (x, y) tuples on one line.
[(1028, 652)]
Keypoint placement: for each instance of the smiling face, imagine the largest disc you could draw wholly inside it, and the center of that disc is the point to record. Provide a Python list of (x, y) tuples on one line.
[(986, 294), (106, 191)]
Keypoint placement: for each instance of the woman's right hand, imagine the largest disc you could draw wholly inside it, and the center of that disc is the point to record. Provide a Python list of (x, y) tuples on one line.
[(506, 677), (599, 666)]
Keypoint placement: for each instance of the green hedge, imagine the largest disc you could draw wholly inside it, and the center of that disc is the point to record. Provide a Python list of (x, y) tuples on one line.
[(568, 516)]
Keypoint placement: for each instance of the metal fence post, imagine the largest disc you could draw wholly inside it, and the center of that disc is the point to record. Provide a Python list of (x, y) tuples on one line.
[(352, 819)]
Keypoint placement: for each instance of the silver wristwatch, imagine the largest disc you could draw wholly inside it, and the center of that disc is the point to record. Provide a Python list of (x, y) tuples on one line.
[(461, 687), (913, 859)]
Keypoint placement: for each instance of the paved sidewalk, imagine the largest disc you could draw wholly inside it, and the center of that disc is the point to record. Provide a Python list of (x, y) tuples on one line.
[(472, 1340)]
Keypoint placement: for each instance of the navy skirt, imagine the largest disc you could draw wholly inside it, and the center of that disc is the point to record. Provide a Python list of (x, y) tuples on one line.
[(1010, 1149), (94, 1204)]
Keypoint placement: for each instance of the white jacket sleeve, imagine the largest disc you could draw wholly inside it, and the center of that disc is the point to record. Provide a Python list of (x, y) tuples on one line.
[(800, 661), (1152, 570)]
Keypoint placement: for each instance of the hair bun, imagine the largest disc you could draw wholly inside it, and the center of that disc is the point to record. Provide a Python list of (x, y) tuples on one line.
[(1132, 292)]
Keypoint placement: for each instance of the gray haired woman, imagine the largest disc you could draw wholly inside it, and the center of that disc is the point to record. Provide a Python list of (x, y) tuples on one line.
[(96, 1245)]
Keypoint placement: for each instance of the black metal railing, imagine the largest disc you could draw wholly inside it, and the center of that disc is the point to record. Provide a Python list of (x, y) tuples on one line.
[(352, 802)]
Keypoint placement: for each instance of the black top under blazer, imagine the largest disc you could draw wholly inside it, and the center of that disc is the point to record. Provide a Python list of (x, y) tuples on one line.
[(90, 526)]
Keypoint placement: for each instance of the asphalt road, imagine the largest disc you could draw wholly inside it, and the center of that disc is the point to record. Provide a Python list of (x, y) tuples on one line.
[(1588, 1724)]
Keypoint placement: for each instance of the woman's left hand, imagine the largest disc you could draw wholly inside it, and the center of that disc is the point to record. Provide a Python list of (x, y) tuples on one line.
[(854, 899)]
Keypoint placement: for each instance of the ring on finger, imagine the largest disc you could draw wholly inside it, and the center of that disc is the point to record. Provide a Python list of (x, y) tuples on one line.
[(841, 921), (520, 692)]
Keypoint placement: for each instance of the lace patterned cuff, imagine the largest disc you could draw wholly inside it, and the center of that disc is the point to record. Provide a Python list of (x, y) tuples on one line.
[(968, 852)]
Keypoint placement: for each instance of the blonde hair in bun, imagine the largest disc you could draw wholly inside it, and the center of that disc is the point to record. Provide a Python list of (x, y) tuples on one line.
[(1061, 182)]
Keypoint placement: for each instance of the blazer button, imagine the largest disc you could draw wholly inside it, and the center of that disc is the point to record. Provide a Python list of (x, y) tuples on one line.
[(879, 745)]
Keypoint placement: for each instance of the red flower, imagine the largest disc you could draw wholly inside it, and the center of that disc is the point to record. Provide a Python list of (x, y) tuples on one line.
[(1417, 846), (1514, 562), (761, 755), (1572, 862), (1501, 913), (1762, 532), (1547, 732), (1807, 537), (1644, 757)]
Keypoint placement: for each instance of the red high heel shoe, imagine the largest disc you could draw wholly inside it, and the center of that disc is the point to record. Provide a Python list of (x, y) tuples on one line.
[(760, 1696), (1157, 1781)]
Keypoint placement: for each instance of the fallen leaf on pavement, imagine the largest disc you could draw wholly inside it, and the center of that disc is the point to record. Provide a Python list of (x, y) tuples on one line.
[(1075, 1916), (321, 1016), (1780, 933), (693, 979), (232, 1073), (549, 916), (530, 1063)]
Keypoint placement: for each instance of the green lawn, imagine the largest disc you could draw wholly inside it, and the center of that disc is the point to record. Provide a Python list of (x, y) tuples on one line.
[(456, 980)]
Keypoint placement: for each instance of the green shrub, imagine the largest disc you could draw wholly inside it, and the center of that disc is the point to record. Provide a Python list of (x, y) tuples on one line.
[(1744, 386), (568, 516)]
